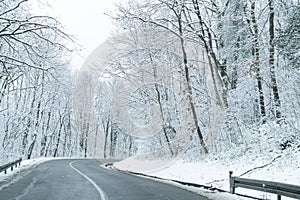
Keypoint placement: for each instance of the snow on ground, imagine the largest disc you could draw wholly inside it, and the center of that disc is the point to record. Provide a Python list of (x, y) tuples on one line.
[(20, 171), (262, 158), (203, 192), (214, 172), (5, 179)]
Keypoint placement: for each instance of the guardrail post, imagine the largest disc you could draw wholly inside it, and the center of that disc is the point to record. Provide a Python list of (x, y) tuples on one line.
[(231, 183), (278, 197)]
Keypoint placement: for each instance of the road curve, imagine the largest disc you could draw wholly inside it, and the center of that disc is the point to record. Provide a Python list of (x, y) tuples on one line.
[(84, 179)]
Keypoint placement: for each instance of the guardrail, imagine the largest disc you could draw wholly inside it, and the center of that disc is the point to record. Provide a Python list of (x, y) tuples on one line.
[(281, 189), (10, 165)]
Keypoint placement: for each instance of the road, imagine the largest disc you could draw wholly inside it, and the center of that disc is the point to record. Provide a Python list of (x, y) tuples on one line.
[(84, 179)]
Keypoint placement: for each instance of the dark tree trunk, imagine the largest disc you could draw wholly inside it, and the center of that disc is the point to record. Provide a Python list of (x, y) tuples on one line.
[(189, 88), (58, 137), (95, 140), (45, 137), (273, 84), (30, 150), (113, 138), (256, 63), (161, 108), (106, 130), (86, 139), (206, 37)]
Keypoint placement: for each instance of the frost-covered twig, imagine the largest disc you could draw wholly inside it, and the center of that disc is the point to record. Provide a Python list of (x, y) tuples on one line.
[(215, 181), (260, 167)]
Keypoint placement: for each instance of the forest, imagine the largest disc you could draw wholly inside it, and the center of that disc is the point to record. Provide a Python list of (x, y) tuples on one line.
[(176, 76)]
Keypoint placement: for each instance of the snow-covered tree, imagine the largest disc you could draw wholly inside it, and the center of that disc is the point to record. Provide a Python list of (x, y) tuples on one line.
[(34, 77)]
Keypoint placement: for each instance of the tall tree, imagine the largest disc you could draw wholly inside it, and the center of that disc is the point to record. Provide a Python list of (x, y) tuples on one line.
[(254, 27), (273, 84), (170, 20), (32, 64)]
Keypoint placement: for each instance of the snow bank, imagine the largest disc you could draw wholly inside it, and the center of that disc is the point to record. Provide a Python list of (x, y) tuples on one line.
[(20, 171), (136, 164), (270, 152), (213, 170)]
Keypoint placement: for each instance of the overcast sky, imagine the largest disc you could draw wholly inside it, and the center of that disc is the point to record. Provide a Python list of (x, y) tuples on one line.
[(84, 19)]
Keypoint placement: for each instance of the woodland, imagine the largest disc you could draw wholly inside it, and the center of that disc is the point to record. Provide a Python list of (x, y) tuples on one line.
[(177, 75)]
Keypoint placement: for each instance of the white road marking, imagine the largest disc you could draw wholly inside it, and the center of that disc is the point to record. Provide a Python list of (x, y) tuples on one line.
[(100, 191)]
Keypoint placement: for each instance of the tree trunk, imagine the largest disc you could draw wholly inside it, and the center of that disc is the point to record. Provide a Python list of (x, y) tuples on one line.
[(205, 36), (189, 88), (67, 130), (160, 107), (45, 136), (30, 149), (29, 123), (256, 63), (86, 139), (163, 118), (106, 130), (271, 61), (58, 136), (3, 88), (95, 140), (113, 140)]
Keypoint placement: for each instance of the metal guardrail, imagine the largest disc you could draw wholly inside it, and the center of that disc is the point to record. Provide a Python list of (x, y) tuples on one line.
[(10, 165), (281, 189)]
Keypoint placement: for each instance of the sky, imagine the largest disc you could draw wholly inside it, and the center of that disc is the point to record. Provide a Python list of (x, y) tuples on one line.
[(83, 19)]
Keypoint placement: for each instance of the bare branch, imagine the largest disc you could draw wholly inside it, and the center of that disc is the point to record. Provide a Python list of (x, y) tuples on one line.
[(14, 8)]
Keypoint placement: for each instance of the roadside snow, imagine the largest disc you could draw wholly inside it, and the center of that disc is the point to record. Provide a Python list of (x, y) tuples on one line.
[(270, 152), (213, 170), (203, 192), (20, 171), (135, 164)]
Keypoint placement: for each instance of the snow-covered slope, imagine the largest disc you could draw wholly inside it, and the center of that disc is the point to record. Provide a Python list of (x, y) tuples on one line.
[(265, 156)]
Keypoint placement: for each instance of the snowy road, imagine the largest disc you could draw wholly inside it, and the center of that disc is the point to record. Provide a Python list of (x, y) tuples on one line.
[(84, 179)]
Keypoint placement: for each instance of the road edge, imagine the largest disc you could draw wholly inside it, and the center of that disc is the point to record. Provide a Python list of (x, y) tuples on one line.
[(180, 184)]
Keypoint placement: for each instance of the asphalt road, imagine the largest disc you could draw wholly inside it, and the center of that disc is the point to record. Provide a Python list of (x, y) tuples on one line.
[(85, 180)]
